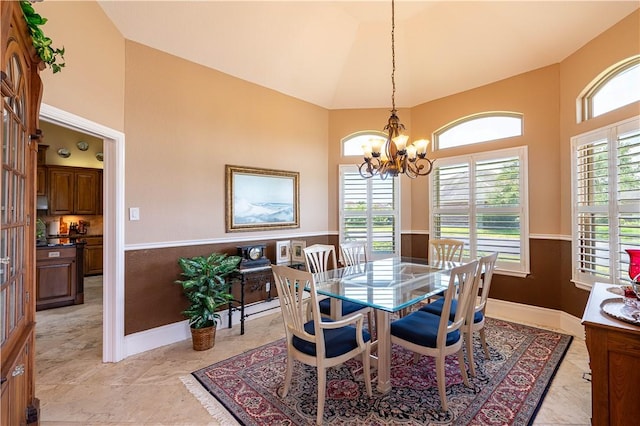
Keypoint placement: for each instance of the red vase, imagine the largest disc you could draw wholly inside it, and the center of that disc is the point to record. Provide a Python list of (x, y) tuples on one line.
[(634, 264)]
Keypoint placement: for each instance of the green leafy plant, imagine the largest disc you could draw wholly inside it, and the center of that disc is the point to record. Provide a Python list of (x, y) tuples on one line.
[(206, 286), (42, 43)]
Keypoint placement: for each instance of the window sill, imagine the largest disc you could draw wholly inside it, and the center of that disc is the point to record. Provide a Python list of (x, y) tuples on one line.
[(518, 274), (582, 286)]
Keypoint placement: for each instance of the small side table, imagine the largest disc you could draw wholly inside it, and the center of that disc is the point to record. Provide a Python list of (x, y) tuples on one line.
[(258, 281)]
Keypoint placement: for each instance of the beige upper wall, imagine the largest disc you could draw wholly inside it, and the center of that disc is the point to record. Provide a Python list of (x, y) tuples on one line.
[(174, 125), (534, 94), (184, 122), (545, 96), (577, 72), (92, 83)]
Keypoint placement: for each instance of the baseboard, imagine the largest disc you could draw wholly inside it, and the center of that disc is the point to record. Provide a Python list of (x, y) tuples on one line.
[(172, 333), (516, 312), (536, 316)]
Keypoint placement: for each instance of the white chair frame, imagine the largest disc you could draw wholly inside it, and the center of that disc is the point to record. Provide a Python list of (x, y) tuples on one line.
[(484, 275), (292, 286), (445, 250), (465, 276)]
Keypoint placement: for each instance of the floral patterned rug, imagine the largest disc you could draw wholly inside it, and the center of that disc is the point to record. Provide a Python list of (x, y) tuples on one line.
[(507, 390)]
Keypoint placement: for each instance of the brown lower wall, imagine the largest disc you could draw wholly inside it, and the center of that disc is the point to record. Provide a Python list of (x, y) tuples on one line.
[(152, 299)]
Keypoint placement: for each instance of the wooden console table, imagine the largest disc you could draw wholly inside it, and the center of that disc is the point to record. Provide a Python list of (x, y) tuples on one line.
[(614, 358)]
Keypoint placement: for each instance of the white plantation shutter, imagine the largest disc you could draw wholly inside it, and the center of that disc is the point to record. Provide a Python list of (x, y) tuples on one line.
[(498, 209), (451, 198), (370, 210), (606, 191), (481, 199)]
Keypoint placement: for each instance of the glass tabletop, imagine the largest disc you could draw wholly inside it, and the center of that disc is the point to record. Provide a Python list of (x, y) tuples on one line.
[(390, 284)]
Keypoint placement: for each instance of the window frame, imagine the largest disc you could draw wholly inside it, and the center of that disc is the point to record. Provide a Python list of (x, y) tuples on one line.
[(364, 133), (584, 102), (609, 133), (470, 250), (396, 212), (473, 117)]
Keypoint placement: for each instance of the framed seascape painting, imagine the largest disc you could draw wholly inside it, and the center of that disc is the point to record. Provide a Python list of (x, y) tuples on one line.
[(261, 199)]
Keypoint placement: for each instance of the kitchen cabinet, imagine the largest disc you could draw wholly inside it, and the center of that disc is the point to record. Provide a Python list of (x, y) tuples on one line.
[(92, 256), (59, 276), (74, 190), (41, 171), (41, 180)]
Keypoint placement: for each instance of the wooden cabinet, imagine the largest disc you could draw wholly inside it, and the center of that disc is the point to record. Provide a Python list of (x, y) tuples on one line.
[(21, 89), (93, 255), (16, 383), (614, 358), (59, 276), (41, 181), (74, 190), (41, 171)]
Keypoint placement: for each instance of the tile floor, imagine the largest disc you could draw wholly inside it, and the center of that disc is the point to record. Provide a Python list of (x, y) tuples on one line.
[(76, 388)]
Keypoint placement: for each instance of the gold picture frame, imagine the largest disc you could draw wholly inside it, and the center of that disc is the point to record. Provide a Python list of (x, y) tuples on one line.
[(261, 199)]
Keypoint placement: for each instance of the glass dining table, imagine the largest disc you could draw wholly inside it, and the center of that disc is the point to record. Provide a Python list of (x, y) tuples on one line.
[(389, 286)]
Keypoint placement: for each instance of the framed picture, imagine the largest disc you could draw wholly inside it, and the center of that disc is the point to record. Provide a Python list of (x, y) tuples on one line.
[(297, 255), (261, 199), (283, 251)]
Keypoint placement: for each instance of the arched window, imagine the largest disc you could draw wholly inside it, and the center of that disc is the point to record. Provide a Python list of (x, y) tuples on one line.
[(616, 87), (478, 128), (369, 209), (352, 144)]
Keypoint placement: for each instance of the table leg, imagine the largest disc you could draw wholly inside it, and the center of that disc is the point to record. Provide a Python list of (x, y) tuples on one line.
[(242, 305), (384, 350)]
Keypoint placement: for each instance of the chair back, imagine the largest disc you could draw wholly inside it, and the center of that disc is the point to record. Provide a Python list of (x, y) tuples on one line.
[(320, 258), (461, 284), (486, 266), (353, 252), (445, 250), (290, 285)]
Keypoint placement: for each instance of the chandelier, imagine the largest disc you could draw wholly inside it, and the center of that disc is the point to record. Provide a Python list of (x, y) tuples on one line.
[(393, 157)]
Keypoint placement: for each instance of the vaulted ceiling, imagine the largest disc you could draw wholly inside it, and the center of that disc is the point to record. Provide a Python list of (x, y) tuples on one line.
[(337, 54)]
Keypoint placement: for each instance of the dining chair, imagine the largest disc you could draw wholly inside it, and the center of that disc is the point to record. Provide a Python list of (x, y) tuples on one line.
[(445, 250), (436, 335), (475, 315), (353, 252), (318, 342), (319, 258)]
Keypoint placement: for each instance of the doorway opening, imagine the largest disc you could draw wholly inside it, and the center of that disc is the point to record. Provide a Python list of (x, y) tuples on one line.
[(113, 225)]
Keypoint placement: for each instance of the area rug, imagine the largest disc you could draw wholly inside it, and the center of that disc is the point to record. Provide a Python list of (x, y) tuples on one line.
[(507, 390)]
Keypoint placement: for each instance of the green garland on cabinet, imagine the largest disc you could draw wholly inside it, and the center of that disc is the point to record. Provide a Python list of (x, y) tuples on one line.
[(42, 43)]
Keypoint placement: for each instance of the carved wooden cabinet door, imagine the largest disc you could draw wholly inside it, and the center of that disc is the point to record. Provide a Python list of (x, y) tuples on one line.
[(21, 89)]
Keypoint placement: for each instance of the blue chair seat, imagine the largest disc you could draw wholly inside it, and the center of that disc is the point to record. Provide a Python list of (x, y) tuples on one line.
[(436, 309), (337, 341), (421, 328), (347, 307)]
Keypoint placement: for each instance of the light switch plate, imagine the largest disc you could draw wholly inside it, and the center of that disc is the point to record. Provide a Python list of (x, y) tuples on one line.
[(134, 213)]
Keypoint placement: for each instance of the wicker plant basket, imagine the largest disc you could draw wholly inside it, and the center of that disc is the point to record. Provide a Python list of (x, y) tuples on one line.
[(203, 338)]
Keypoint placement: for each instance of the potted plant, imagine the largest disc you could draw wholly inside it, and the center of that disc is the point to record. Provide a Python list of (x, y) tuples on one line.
[(206, 287)]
